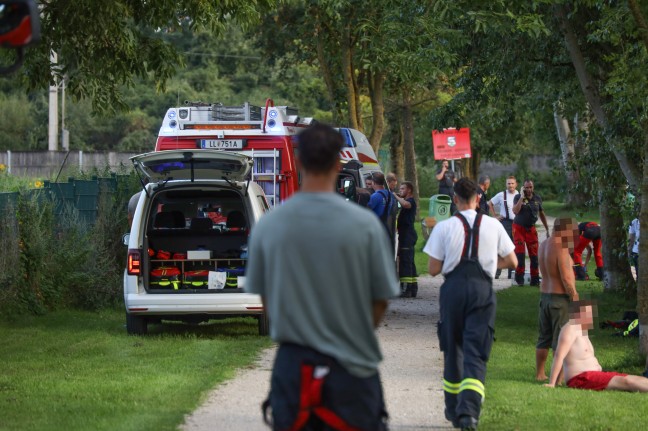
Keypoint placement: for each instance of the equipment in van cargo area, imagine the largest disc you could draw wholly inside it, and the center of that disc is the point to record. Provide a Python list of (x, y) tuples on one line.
[(188, 241)]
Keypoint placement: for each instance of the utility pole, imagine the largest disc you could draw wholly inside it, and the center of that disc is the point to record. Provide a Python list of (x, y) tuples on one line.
[(53, 107)]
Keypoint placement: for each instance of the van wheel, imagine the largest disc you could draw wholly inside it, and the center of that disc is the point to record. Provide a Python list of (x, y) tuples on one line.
[(136, 325), (264, 325)]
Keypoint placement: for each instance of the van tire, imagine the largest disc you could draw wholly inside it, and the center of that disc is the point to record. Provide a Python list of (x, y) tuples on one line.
[(136, 325), (264, 325)]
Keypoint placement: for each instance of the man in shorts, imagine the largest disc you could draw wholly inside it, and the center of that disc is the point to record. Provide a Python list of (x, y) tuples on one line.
[(557, 288), (575, 354)]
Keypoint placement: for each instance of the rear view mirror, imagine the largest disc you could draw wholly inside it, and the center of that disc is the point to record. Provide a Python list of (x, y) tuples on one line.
[(19, 27)]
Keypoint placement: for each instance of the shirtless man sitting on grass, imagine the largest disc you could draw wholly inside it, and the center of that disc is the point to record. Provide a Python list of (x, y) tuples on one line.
[(575, 354), (557, 288)]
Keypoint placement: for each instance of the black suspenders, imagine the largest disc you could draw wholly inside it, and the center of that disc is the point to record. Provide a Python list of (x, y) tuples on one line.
[(471, 235), (506, 206)]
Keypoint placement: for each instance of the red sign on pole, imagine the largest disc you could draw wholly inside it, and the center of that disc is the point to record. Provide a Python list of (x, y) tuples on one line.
[(451, 144)]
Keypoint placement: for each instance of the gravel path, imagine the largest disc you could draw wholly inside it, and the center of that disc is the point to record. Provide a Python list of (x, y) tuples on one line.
[(412, 373)]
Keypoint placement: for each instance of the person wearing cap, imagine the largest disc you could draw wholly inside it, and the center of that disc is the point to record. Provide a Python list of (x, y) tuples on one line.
[(324, 296), (467, 249)]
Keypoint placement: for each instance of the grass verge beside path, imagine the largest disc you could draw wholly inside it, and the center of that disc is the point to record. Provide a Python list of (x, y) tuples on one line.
[(73, 370), (514, 400)]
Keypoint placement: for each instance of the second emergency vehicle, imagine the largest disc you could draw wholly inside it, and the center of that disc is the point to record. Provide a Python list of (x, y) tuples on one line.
[(267, 134)]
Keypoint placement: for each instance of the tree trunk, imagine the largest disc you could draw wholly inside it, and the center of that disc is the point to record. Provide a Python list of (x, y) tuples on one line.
[(377, 82), (396, 145), (629, 167), (331, 87), (613, 235), (349, 82), (567, 150), (408, 147), (642, 277)]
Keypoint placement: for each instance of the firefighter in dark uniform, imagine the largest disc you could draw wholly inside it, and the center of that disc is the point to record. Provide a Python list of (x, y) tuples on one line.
[(467, 248), (407, 240), (527, 208)]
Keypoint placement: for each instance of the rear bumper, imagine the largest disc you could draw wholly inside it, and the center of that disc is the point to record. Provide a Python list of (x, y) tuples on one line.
[(194, 303)]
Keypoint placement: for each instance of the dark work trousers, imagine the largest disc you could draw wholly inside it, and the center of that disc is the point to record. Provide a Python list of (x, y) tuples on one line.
[(356, 401), (465, 333), (526, 236), (508, 227), (406, 265)]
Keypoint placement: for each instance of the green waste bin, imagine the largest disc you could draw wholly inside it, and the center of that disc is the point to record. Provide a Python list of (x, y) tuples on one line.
[(439, 210), (440, 207)]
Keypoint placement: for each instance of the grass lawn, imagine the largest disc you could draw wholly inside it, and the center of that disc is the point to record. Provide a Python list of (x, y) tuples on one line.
[(74, 370), (515, 401)]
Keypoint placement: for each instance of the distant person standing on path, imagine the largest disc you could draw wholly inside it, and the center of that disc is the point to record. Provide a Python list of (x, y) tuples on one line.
[(467, 248), (407, 240), (527, 209), (504, 200), (557, 289), (482, 191), (324, 270), (447, 178)]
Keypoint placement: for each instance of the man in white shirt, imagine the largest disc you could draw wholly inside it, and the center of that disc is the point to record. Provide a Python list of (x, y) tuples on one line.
[(467, 301), (504, 200)]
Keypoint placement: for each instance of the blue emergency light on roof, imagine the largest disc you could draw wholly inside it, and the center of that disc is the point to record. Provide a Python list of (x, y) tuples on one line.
[(271, 124), (172, 114)]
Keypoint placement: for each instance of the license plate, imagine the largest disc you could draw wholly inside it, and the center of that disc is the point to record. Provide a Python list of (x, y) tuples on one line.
[(222, 144)]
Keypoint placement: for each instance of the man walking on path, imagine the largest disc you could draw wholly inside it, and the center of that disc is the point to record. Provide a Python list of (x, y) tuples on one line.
[(504, 200), (527, 209), (557, 289), (407, 240), (467, 248), (324, 271)]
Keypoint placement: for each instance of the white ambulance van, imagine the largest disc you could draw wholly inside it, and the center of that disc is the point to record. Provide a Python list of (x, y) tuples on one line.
[(187, 248)]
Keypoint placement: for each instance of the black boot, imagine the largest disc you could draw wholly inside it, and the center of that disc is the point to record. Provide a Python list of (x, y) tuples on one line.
[(519, 279), (405, 291), (535, 281), (580, 273), (598, 272), (413, 289), (497, 273)]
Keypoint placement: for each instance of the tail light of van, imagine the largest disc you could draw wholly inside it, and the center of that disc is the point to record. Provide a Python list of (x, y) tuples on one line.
[(134, 265)]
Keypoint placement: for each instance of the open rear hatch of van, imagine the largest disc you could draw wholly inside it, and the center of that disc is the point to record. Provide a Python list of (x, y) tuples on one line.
[(193, 165)]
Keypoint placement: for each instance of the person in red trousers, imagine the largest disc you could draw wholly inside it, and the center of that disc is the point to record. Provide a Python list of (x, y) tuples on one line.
[(590, 232)]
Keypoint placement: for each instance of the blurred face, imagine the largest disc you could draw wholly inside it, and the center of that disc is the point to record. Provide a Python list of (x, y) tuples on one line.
[(585, 316), (528, 188), (486, 185), (568, 235), (369, 183), (403, 191), (445, 163), (511, 185)]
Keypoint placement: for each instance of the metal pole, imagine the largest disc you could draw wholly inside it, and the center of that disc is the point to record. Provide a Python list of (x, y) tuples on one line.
[(53, 108)]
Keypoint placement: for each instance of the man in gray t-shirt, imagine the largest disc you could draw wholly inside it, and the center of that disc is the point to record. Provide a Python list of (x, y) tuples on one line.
[(324, 270)]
